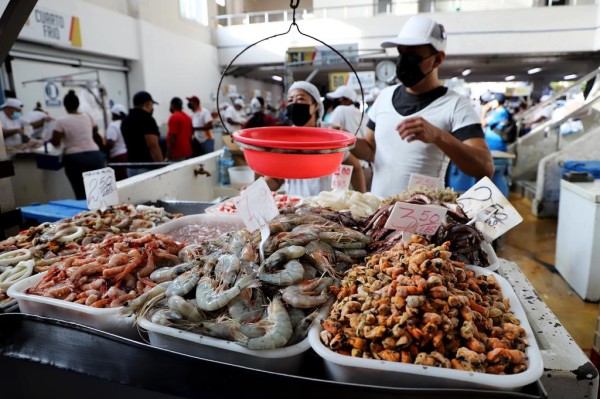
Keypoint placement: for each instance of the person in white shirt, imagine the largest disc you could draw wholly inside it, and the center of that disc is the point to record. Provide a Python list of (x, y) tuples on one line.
[(349, 118), (235, 116), (115, 144), (13, 127), (202, 123), (420, 125)]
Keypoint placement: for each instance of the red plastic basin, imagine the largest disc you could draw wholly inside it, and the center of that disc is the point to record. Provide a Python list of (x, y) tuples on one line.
[(259, 143)]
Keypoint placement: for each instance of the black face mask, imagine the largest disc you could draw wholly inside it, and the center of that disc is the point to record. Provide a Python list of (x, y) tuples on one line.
[(298, 113), (408, 70)]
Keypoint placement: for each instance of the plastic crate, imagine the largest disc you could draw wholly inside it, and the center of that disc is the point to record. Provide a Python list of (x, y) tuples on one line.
[(51, 212)]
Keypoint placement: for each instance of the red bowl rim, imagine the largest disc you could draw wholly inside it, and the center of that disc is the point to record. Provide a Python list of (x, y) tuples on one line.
[(342, 139)]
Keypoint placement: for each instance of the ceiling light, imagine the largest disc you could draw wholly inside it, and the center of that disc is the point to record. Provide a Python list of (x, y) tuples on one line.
[(509, 78), (570, 77), (466, 72), (534, 70), (277, 78)]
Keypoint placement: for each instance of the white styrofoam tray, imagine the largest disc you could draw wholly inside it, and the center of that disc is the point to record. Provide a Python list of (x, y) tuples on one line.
[(283, 360), (200, 218), (385, 373), (104, 319)]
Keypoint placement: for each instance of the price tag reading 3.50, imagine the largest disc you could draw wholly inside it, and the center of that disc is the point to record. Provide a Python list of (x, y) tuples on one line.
[(100, 188), (256, 205), (420, 219), (341, 178)]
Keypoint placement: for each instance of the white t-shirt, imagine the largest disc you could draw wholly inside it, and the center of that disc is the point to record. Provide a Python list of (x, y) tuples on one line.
[(307, 187), (347, 117), (235, 115), (199, 119), (77, 129), (395, 158), (10, 124), (113, 133)]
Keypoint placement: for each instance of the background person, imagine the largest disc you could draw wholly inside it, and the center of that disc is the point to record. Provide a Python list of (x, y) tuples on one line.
[(179, 135), (304, 109), (79, 135), (259, 118), (235, 116), (115, 144), (13, 126), (202, 122), (141, 133), (419, 125), (349, 118)]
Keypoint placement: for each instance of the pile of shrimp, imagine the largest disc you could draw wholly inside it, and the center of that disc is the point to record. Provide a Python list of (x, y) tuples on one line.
[(46, 243), (413, 304), (223, 289), (109, 273)]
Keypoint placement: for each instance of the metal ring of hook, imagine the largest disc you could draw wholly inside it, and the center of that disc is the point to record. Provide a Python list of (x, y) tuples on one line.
[(294, 6), (362, 114)]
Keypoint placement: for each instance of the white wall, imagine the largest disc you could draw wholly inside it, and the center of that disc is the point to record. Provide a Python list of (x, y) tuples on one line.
[(524, 31)]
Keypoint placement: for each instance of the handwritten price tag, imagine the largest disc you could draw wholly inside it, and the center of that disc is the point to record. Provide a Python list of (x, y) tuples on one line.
[(100, 188), (420, 219), (341, 179), (419, 180), (485, 198), (256, 205)]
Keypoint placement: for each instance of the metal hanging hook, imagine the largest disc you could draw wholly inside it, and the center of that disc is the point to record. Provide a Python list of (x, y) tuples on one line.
[(282, 34)]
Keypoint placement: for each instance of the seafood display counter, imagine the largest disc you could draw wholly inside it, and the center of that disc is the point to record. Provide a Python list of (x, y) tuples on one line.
[(96, 360)]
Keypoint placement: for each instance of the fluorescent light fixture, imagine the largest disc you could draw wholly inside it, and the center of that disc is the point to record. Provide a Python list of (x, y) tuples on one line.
[(570, 77), (509, 78), (466, 72), (277, 78), (534, 70)]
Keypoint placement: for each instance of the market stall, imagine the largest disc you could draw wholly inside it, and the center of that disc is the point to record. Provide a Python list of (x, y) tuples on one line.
[(134, 364)]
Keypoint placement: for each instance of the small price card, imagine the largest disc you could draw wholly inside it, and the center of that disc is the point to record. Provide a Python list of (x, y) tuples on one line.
[(100, 188), (419, 180), (341, 178), (481, 199), (420, 219), (256, 205)]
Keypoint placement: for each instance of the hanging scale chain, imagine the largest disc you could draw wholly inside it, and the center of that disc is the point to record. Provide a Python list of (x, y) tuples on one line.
[(294, 6)]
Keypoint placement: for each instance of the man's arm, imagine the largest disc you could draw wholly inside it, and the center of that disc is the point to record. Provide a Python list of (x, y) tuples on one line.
[(152, 141), (365, 148), (472, 156), (274, 183), (12, 132), (206, 126)]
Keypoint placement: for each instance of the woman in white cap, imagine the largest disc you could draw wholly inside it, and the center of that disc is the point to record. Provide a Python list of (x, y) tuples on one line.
[(115, 144), (419, 126), (304, 109)]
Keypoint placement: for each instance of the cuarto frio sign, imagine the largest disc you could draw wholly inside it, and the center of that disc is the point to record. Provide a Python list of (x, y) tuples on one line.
[(50, 26)]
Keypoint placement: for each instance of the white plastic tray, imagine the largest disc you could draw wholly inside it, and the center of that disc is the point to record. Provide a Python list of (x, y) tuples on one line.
[(214, 218), (283, 360), (384, 373), (105, 319)]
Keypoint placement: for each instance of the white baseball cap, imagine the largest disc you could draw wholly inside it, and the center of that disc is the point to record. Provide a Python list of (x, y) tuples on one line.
[(343, 91), (419, 30), (12, 103), (118, 109), (239, 101)]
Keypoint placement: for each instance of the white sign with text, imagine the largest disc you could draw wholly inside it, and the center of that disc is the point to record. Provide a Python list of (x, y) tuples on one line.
[(414, 218), (418, 180), (100, 188), (340, 180), (256, 205), (483, 197)]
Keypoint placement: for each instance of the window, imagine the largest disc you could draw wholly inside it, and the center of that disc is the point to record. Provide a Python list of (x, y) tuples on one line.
[(196, 10)]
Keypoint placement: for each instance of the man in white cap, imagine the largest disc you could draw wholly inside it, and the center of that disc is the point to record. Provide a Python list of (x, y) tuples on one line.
[(13, 127), (115, 143), (419, 126), (235, 116)]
